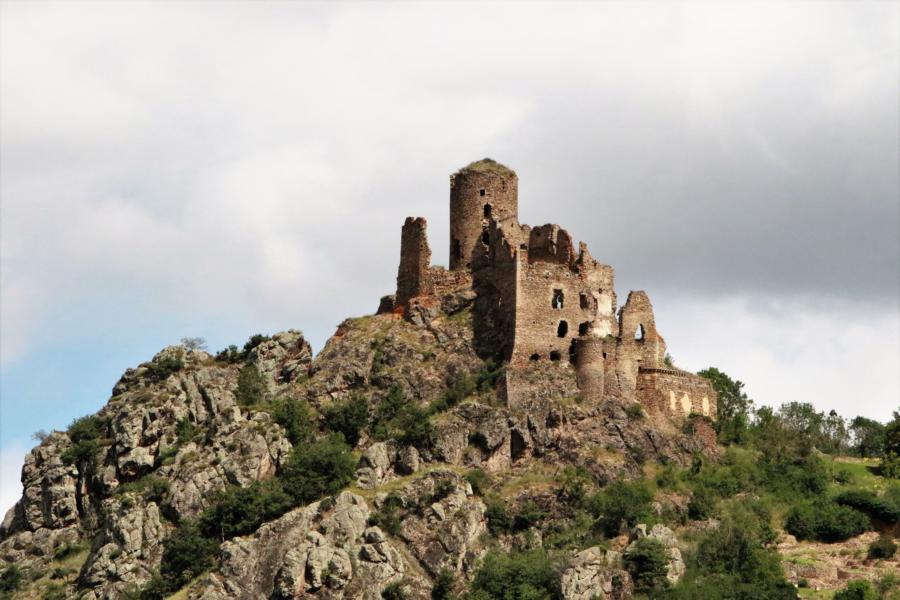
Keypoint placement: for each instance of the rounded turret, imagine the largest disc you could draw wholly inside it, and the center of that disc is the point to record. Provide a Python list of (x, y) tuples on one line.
[(479, 192), (590, 366)]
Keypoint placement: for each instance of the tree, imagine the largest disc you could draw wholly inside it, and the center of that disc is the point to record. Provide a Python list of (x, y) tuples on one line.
[(348, 418), (516, 576), (867, 436), (251, 387), (890, 463), (194, 343), (734, 407), (319, 469), (648, 563), (296, 417)]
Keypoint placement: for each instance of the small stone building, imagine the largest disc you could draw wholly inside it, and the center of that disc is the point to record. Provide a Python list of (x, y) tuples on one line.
[(543, 306)]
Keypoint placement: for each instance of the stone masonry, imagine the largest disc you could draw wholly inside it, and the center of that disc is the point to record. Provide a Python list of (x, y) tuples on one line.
[(540, 303)]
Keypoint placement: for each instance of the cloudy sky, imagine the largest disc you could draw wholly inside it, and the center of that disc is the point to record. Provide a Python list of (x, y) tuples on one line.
[(221, 169)]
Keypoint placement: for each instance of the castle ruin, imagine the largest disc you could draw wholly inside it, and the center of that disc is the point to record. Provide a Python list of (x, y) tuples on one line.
[(542, 306)]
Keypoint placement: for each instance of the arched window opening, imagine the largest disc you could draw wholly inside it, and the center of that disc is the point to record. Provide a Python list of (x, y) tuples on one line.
[(584, 301), (562, 330), (558, 299), (487, 211), (639, 333)]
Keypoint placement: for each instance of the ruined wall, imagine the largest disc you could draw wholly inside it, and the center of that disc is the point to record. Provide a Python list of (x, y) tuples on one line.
[(415, 256), (559, 298), (640, 344), (590, 367), (675, 393), (482, 191)]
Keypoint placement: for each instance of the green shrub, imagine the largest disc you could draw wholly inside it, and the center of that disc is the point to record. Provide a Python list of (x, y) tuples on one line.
[(857, 590), (150, 487), (398, 418), (890, 465), (231, 354), (388, 515), (241, 510), (296, 417), (54, 591), (185, 431), (516, 576), (702, 504), (825, 521), (348, 419), (251, 386), (443, 585), (479, 480), (11, 579), (620, 504), (865, 501), (883, 547), (254, 341), (460, 388), (498, 518), (528, 515), (634, 411), (85, 433), (186, 554), (573, 484), (414, 428), (319, 469), (647, 562), (159, 370), (395, 591)]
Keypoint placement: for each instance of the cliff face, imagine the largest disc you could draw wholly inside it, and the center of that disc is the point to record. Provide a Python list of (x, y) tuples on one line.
[(100, 499)]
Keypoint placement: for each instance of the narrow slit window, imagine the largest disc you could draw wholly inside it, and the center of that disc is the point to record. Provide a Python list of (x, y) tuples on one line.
[(584, 301), (488, 211), (563, 329)]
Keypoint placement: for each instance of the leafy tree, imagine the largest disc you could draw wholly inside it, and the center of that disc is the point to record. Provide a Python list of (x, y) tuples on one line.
[(868, 437), (251, 386), (11, 579), (319, 469), (620, 504), (85, 433), (865, 501), (186, 554), (296, 417), (241, 510), (891, 462), (516, 576), (348, 419), (734, 407), (857, 590), (825, 521), (647, 562)]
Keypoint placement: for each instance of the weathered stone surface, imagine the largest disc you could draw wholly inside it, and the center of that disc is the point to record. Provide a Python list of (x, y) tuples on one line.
[(319, 550), (666, 536), (595, 574)]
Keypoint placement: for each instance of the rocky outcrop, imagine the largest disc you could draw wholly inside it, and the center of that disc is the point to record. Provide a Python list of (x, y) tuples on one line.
[(326, 549), (596, 574), (664, 535)]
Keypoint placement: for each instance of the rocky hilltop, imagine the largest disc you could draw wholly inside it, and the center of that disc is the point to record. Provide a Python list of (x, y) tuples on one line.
[(100, 499)]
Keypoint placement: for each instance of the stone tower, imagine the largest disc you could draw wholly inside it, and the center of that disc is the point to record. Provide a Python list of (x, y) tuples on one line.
[(482, 191)]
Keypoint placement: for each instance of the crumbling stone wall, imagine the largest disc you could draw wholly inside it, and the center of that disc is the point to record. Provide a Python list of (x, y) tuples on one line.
[(675, 393), (413, 278), (559, 298), (639, 344), (590, 367), (480, 192)]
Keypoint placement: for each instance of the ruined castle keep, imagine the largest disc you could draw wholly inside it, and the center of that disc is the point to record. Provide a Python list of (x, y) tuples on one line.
[(542, 306)]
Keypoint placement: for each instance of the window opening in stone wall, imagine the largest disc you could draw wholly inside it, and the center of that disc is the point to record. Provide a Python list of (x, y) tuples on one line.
[(534, 357), (481, 192), (485, 238), (573, 352), (555, 356), (488, 211), (583, 301), (558, 299), (562, 329), (639, 333), (584, 328), (604, 356), (456, 250)]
